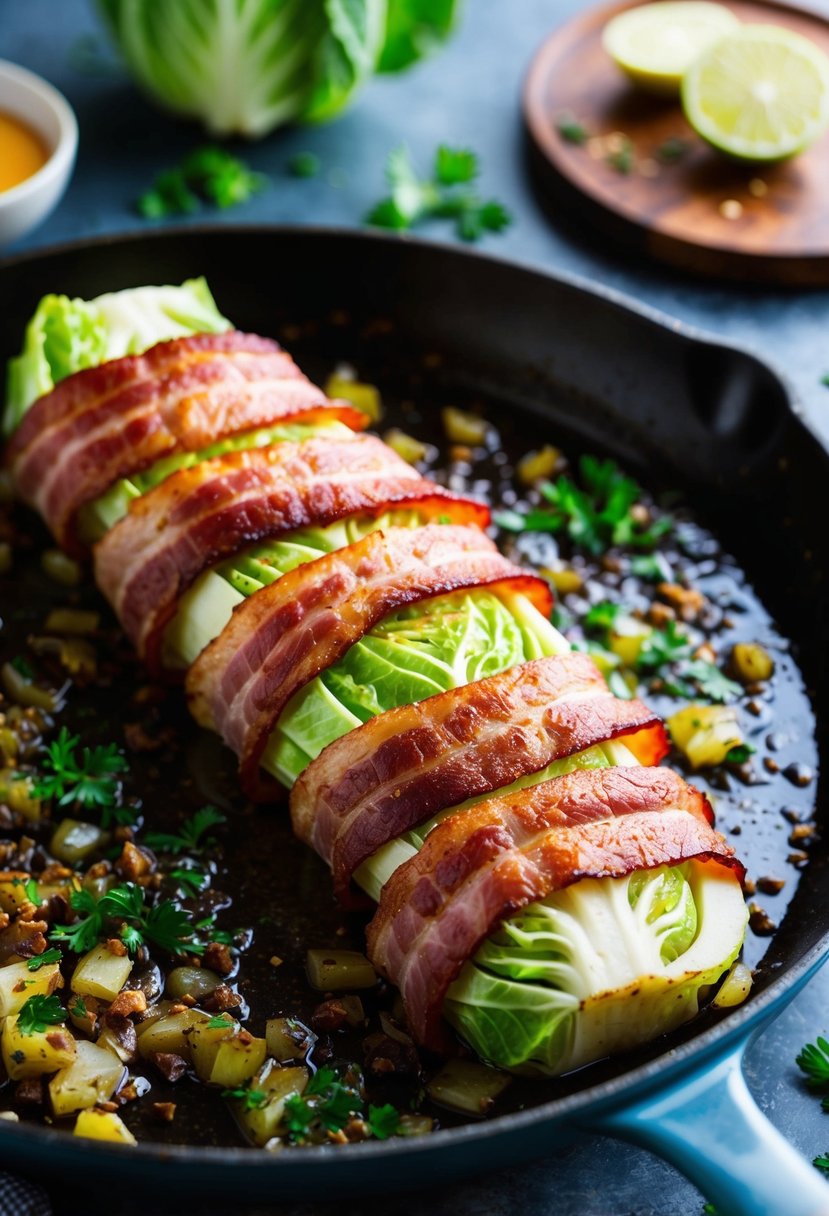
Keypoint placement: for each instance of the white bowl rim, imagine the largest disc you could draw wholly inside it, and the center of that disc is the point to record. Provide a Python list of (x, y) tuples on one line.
[(61, 157)]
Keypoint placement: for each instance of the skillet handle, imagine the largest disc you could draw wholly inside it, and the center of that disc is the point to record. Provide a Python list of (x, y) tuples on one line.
[(710, 1128)]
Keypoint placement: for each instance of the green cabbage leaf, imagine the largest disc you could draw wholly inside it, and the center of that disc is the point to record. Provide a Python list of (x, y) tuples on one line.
[(441, 643), (99, 516), (599, 967), (67, 335), (415, 28)]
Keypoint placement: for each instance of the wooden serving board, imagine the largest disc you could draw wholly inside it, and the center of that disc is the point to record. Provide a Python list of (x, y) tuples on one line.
[(703, 212)]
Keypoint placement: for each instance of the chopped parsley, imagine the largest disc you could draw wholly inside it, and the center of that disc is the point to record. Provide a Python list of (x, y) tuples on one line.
[(79, 1009), (571, 130), (740, 753), (710, 681), (52, 955), (23, 667), (449, 194), (163, 924), (191, 838), (595, 514), (813, 1060), (330, 1102), (250, 1098), (662, 648), (822, 1162), (38, 1012), (304, 164), (621, 158), (220, 1022), (672, 149), (90, 780), (209, 174)]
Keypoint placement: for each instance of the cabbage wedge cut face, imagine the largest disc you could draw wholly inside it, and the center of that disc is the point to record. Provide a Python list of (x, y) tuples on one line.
[(599, 968), (66, 336)]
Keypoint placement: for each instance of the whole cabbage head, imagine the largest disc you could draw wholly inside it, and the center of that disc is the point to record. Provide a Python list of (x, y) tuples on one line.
[(244, 67)]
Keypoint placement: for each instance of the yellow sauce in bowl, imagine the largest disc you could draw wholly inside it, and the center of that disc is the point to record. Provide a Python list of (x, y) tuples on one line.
[(22, 152)]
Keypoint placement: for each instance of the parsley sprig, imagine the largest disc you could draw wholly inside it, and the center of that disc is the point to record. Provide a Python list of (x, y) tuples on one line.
[(90, 779), (209, 174), (191, 838), (250, 1098), (162, 924), (40, 960), (330, 1102), (813, 1060), (448, 194), (39, 1012), (595, 514)]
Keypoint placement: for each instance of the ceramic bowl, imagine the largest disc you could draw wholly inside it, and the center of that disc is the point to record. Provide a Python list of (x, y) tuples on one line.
[(31, 99)]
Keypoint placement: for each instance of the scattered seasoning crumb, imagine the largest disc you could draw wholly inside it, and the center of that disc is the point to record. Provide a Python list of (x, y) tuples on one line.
[(164, 1112), (761, 923), (570, 129), (757, 187), (770, 765), (731, 209), (275, 960), (798, 858), (791, 814), (672, 150), (801, 832), (749, 886), (799, 774), (770, 886)]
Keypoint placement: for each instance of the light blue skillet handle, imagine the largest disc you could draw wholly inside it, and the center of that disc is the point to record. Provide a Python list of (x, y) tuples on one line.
[(710, 1128)]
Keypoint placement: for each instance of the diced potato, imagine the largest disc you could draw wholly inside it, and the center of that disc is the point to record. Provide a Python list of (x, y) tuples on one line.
[(109, 1041), (101, 973), (32, 1055), (196, 982), (74, 841), (465, 428), (705, 733), (468, 1087), (72, 620), (289, 1039), (16, 792), (93, 1076), (365, 397), (536, 465), (170, 1033), (18, 983), (13, 890), (565, 580), (61, 568), (103, 1125), (752, 662), (261, 1123), (406, 446), (221, 1056), (735, 987), (626, 639), (333, 970)]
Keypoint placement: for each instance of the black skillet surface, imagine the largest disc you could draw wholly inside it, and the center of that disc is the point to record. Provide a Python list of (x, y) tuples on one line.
[(551, 362)]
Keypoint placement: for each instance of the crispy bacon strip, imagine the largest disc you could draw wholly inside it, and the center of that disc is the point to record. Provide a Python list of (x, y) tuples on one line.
[(108, 422), (408, 764), (200, 515), (284, 636), (482, 865)]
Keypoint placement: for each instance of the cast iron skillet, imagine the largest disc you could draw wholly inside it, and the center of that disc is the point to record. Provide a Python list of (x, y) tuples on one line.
[(681, 409)]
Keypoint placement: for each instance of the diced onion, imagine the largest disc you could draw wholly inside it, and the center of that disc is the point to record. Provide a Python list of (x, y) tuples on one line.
[(333, 970)]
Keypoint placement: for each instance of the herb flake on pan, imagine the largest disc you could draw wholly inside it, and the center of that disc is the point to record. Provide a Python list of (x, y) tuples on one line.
[(90, 779), (595, 514), (251, 1099), (162, 924), (330, 1102), (448, 194), (191, 838), (52, 955), (39, 1012)]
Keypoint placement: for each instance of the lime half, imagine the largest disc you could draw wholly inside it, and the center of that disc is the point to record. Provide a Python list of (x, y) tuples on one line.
[(761, 94), (655, 44)]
